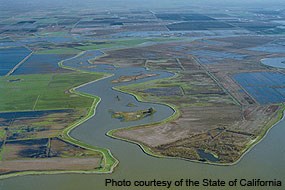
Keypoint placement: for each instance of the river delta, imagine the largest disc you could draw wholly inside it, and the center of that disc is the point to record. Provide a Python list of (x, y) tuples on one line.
[(142, 98)]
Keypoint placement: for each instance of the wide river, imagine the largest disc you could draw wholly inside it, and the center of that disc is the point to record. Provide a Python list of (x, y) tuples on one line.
[(265, 161)]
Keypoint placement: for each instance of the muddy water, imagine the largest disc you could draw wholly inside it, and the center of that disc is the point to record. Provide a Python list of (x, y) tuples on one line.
[(264, 161)]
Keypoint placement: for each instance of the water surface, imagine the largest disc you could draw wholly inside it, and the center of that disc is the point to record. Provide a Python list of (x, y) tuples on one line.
[(278, 62), (264, 161)]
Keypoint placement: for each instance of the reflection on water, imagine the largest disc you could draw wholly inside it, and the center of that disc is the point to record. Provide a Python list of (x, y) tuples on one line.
[(278, 62), (207, 156)]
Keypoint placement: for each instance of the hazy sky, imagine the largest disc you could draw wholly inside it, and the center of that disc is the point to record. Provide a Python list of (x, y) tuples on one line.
[(150, 4)]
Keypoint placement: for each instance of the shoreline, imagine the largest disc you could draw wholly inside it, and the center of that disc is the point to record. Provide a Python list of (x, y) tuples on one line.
[(110, 162), (147, 150)]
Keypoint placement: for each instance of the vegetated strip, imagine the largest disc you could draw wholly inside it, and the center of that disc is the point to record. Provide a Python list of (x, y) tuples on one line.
[(217, 81), (19, 64), (145, 148), (270, 124), (35, 104), (109, 161)]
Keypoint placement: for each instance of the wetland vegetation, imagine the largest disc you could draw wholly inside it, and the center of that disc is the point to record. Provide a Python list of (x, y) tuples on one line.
[(35, 110), (184, 84), (133, 116)]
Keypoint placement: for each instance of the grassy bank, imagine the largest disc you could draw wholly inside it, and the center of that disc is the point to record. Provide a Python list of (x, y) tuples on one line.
[(109, 162), (149, 151), (43, 92), (53, 92), (145, 148), (271, 123)]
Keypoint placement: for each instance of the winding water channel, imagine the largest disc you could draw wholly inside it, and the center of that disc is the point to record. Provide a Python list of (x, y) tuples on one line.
[(265, 161)]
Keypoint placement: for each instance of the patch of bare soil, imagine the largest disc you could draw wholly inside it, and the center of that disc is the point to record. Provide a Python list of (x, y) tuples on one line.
[(49, 164)]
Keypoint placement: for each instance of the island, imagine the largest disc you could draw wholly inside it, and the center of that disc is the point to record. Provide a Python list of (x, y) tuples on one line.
[(133, 116)]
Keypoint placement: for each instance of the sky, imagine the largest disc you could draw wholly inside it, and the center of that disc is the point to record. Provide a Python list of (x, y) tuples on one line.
[(135, 4)]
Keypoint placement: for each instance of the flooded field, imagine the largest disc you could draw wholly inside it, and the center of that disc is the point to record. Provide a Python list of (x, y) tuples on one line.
[(6, 42), (41, 64), (135, 164), (195, 25), (203, 64), (269, 48), (9, 117), (47, 39), (10, 57), (211, 57), (51, 154), (265, 87)]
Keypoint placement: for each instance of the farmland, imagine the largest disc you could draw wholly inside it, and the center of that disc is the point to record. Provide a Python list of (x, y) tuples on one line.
[(43, 92), (31, 121), (41, 64), (265, 87), (184, 83), (184, 26), (51, 154), (10, 57), (212, 110)]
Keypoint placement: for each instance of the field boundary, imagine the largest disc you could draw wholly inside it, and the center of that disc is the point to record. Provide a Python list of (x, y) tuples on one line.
[(147, 150), (109, 161), (19, 64)]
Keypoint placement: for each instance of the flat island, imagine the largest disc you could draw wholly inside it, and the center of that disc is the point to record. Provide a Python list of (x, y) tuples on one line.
[(132, 78), (133, 116)]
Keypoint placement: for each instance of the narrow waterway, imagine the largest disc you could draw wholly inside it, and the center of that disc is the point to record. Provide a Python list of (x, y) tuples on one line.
[(265, 161)]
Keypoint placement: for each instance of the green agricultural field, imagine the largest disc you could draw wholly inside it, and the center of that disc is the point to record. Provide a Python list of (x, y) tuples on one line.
[(44, 92), (50, 92), (106, 45), (125, 43), (2, 133), (59, 51)]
